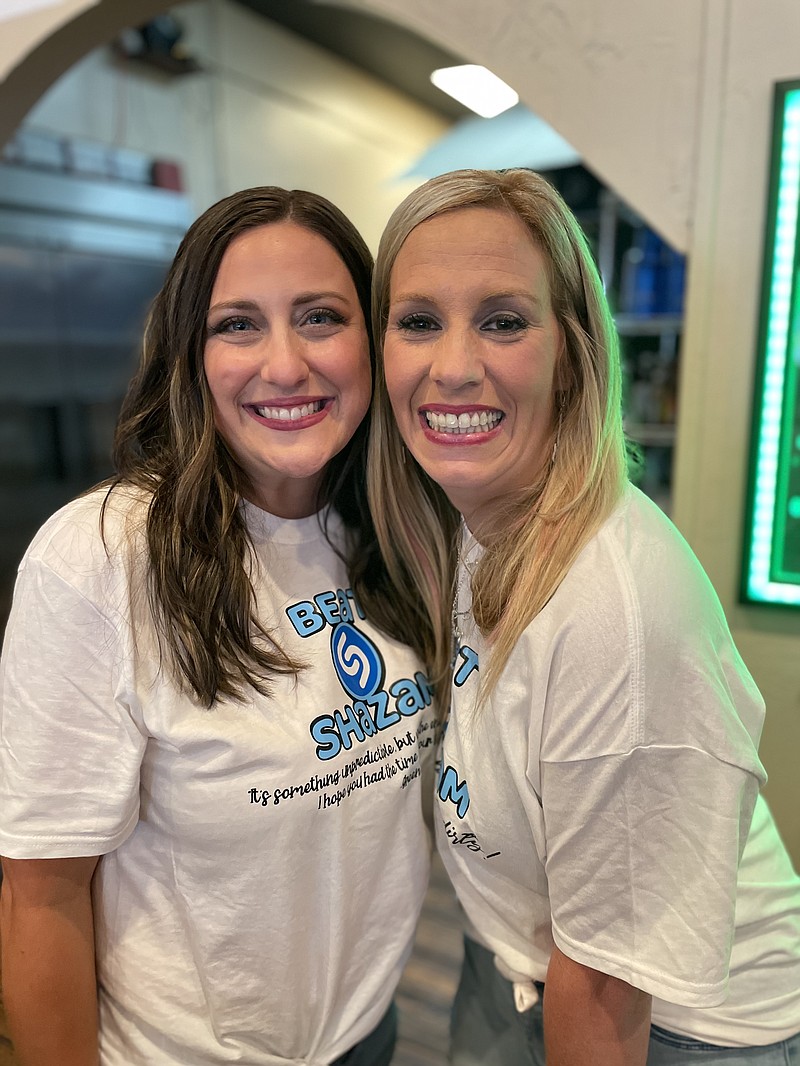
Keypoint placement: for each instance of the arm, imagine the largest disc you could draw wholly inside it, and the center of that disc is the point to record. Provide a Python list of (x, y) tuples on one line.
[(49, 983), (592, 1019)]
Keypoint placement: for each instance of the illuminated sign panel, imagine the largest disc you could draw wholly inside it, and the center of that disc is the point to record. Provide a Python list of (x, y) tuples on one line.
[(772, 538)]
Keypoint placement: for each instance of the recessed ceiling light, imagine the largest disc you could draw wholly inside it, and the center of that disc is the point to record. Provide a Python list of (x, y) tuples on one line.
[(476, 88)]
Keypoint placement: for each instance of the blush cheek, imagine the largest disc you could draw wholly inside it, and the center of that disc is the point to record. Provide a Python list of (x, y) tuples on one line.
[(399, 390)]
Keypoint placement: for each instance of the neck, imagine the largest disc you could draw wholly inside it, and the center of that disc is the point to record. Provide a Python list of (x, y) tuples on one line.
[(485, 522)]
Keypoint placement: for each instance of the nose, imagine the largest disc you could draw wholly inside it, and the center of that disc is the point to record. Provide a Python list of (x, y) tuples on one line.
[(284, 362), (456, 362)]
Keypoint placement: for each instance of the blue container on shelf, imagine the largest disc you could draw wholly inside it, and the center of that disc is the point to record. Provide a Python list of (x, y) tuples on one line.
[(639, 281), (653, 277), (671, 282)]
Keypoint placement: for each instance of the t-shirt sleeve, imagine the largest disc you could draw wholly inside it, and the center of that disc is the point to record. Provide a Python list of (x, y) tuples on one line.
[(649, 775), (70, 747), (641, 867)]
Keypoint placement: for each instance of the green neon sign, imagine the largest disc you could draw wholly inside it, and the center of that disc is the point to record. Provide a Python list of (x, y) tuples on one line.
[(772, 535)]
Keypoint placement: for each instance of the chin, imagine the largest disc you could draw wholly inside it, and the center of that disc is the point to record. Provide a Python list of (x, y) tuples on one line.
[(464, 495)]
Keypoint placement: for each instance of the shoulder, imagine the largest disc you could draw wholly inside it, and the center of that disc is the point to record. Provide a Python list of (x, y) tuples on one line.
[(636, 625), (637, 563), (91, 540)]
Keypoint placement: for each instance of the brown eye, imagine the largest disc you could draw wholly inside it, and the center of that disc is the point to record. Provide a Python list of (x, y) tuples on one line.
[(417, 323), (505, 324)]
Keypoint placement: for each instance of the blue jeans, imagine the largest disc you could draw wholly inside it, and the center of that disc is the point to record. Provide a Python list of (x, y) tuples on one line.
[(669, 1049), (377, 1048), (487, 1030)]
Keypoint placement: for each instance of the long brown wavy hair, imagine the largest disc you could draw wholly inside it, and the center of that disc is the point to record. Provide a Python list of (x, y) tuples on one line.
[(200, 574)]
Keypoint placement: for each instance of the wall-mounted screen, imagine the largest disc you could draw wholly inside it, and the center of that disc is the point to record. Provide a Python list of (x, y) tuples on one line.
[(772, 536)]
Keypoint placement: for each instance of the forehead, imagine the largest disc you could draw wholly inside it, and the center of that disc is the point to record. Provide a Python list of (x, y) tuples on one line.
[(281, 248), (466, 246)]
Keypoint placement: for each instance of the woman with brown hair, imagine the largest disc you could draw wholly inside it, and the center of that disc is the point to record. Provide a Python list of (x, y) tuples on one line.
[(627, 895), (212, 763)]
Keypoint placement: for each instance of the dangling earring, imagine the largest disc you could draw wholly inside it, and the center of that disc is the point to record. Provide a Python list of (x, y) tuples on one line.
[(562, 403)]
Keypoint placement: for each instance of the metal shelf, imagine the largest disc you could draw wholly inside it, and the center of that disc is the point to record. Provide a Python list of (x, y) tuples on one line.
[(652, 434), (647, 325)]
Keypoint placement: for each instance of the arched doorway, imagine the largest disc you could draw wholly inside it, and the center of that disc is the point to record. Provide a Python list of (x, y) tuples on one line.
[(634, 77), (234, 118), (79, 268)]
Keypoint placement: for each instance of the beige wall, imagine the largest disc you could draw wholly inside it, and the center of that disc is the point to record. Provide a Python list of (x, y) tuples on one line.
[(36, 48), (618, 80), (267, 108), (748, 48), (22, 33), (671, 104)]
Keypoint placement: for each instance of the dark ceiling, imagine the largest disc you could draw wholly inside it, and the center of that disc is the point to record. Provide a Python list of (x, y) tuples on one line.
[(390, 52)]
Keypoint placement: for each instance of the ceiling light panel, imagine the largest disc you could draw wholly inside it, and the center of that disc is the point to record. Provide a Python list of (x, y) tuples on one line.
[(476, 88)]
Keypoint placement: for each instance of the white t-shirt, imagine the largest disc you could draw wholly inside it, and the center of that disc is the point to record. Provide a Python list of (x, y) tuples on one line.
[(601, 799), (264, 862)]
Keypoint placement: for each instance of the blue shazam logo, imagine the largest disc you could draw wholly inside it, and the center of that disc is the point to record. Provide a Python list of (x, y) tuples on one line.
[(357, 661)]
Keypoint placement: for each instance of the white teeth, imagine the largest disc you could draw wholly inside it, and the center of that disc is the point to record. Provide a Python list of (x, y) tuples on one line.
[(464, 423), (290, 414)]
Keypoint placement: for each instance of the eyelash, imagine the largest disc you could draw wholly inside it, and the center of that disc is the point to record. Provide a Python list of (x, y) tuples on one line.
[(323, 312), (517, 321), (417, 319), (227, 324), (422, 323)]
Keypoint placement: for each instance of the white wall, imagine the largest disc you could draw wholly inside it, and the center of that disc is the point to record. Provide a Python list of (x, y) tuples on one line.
[(268, 108), (671, 104)]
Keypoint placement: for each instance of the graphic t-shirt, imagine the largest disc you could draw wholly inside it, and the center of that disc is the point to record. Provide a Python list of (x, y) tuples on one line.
[(601, 799), (264, 861)]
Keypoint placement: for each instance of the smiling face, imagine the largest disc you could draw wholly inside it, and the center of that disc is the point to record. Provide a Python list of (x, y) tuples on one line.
[(287, 361), (471, 353)]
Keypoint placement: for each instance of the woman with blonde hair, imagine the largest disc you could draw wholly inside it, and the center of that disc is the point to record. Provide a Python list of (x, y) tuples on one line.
[(627, 896)]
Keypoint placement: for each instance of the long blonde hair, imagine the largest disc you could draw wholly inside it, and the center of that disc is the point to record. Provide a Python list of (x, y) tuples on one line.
[(546, 526)]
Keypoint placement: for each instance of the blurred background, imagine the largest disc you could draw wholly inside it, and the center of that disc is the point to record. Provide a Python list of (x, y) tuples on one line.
[(667, 113), (110, 166)]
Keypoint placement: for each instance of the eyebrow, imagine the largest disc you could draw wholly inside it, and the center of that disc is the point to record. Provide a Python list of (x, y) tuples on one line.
[(505, 294), (230, 305), (411, 297), (300, 300), (315, 297)]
